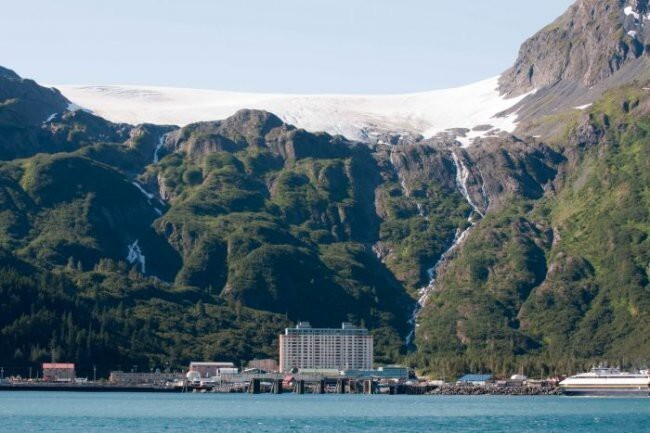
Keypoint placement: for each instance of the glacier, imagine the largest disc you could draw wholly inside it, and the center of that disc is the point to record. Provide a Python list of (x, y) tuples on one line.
[(353, 116)]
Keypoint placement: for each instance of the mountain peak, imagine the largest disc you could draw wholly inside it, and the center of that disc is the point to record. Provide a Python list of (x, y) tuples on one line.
[(8, 74), (586, 45), (30, 102), (259, 120)]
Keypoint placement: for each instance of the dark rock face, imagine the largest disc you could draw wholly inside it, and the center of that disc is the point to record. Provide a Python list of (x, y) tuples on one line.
[(255, 128), (641, 6), (503, 168), (36, 119), (595, 46), (24, 101)]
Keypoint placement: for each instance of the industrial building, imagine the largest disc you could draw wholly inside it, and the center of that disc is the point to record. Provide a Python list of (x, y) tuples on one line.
[(212, 369), (269, 365), (59, 371), (137, 378), (387, 372), (345, 348)]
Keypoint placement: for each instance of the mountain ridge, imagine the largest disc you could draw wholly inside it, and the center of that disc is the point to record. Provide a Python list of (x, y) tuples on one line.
[(464, 250)]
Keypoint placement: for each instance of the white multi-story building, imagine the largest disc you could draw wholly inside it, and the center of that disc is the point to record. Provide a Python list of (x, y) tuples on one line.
[(304, 347)]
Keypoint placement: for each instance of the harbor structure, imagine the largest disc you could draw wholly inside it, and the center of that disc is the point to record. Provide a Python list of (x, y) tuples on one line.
[(212, 369), (346, 348), (141, 377), (396, 372), (59, 371), (475, 379), (270, 365)]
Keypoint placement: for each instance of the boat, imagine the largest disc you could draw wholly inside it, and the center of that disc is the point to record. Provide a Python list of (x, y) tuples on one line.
[(607, 381)]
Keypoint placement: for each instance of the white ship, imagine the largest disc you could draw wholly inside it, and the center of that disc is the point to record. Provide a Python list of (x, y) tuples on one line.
[(606, 381)]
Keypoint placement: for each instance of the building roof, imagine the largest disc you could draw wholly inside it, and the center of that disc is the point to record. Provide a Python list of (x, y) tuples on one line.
[(475, 378), (346, 328), (58, 365), (212, 364)]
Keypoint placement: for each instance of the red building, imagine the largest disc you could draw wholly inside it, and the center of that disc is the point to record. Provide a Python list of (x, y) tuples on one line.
[(58, 371)]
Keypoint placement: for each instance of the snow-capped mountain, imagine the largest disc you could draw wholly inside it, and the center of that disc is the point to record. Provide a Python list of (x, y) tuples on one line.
[(357, 117), (608, 50)]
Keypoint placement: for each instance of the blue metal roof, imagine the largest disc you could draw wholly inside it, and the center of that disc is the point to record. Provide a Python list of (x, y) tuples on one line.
[(475, 378)]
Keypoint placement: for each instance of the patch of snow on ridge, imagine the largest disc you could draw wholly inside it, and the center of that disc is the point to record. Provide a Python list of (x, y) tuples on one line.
[(143, 191), (135, 255), (629, 10), (426, 113), (74, 107), (584, 107), (50, 118)]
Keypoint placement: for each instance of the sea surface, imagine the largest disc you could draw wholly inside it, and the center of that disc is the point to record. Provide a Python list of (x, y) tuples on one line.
[(71, 412)]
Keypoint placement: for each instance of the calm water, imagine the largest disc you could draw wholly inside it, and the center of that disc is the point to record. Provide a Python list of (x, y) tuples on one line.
[(22, 412)]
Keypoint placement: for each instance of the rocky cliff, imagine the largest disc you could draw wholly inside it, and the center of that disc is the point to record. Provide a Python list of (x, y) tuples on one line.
[(594, 46)]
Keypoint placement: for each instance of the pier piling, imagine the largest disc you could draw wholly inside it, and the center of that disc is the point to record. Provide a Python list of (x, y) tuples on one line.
[(277, 387), (255, 386)]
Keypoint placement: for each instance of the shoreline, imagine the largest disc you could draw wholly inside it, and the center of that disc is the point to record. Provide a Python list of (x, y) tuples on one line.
[(445, 390)]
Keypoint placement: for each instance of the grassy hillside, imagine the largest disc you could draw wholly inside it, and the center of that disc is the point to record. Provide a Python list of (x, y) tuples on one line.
[(560, 282), (275, 226), (248, 225)]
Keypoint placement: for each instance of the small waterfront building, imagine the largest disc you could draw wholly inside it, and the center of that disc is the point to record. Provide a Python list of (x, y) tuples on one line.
[(212, 369), (326, 372), (59, 371), (393, 372), (143, 378), (345, 348), (516, 380), (475, 379), (270, 365), (387, 372)]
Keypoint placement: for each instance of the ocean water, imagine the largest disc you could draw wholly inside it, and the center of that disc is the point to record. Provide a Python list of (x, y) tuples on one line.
[(71, 412)]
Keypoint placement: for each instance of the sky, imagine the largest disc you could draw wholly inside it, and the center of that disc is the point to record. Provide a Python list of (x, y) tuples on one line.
[(278, 46)]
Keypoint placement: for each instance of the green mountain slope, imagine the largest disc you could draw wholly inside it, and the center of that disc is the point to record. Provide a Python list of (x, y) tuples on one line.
[(246, 214), (155, 245), (560, 281)]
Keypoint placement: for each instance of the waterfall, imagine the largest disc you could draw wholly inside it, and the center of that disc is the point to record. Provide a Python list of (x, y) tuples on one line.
[(149, 197), (462, 175), (161, 143), (402, 181), (135, 255), (143, 191), (421, 210)]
